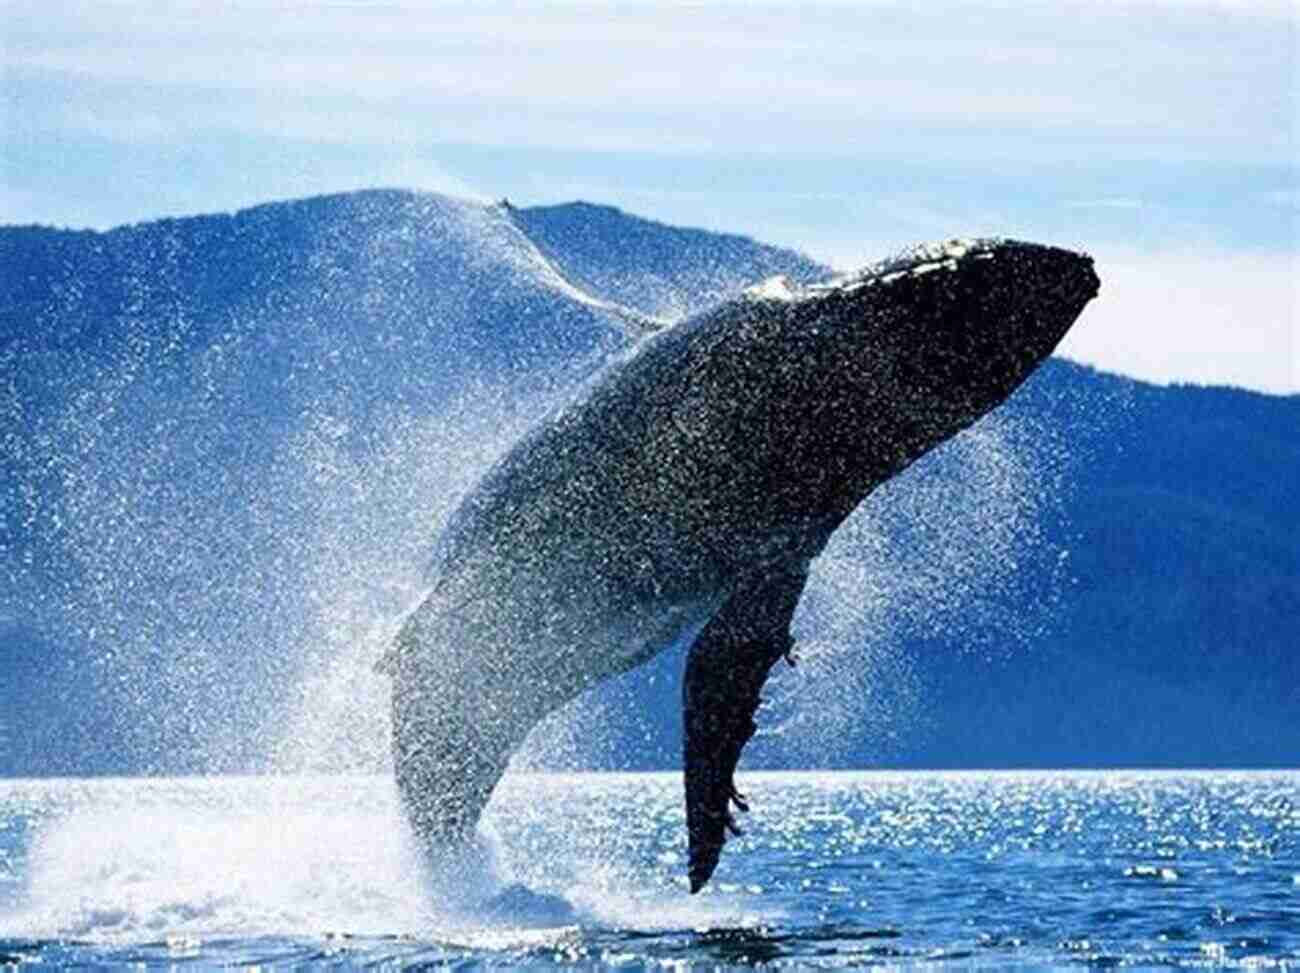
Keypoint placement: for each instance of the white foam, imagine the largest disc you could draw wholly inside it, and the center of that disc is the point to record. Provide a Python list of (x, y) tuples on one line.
[(777, 288), (184, 861), (204, 858)]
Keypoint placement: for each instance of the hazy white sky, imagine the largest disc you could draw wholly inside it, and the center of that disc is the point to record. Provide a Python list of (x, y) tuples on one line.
[(1160, 136)]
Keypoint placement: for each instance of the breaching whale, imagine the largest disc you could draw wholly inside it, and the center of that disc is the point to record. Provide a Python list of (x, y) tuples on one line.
[(682, 496)]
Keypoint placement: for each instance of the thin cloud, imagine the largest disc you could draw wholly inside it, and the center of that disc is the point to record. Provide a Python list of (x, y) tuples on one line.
[(1282, 197), (701, 79), (794, 107), (425, 175), (1206, 318), (1107, 202)]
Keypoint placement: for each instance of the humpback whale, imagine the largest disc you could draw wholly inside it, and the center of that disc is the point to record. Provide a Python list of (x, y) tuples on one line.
[(682, 495)]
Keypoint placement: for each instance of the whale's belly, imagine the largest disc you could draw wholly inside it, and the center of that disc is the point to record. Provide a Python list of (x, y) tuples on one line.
[(638, 637)]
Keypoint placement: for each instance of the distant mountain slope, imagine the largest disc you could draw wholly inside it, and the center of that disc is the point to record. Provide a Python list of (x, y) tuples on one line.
[(222, 436), (681, 271), (226, 443), (1146, 614), (224, 331), (188, 404)]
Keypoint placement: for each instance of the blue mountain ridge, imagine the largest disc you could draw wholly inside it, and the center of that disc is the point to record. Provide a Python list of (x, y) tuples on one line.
[(228, 440)]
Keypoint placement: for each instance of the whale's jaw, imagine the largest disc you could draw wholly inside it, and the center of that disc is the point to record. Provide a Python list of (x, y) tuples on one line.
[(685, 493)]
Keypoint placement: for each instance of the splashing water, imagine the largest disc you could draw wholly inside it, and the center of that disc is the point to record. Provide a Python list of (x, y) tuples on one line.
[(226, 487), (317, 572), (368, 550), (231, 560), (205, 858), (1025, 870), (926, 556)]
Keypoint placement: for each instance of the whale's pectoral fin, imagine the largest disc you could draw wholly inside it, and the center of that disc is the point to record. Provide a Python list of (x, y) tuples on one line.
[(725, 670)]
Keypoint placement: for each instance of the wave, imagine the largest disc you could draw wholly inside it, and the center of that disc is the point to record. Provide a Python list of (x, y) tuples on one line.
[(191, 860)]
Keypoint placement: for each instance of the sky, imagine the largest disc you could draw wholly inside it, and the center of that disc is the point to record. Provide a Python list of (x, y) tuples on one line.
[(1160, 137)]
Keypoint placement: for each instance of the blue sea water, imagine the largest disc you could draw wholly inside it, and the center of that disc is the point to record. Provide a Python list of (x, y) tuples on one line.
[(908, 870)]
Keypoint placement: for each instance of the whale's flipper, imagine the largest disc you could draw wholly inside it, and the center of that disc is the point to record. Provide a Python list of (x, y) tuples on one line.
[(725, 670)]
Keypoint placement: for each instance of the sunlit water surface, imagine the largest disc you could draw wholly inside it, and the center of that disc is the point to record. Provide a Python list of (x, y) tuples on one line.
[(846, 869)]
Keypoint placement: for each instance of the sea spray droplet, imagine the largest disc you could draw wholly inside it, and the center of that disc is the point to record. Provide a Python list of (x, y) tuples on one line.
[(927, 554), (220, 458)]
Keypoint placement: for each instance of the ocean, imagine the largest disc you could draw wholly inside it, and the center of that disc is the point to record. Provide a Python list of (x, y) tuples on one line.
[(960, 870)]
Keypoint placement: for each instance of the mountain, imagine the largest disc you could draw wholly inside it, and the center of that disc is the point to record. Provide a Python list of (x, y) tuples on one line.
[(228, 439), (227, 442), (664, 271)]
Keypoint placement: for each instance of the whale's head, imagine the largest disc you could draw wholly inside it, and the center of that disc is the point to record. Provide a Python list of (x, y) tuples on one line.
[(961, 324), (852, 379), (953, 326)]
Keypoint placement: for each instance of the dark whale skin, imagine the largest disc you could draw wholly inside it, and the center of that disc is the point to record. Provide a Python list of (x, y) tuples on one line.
[(682, 495)]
